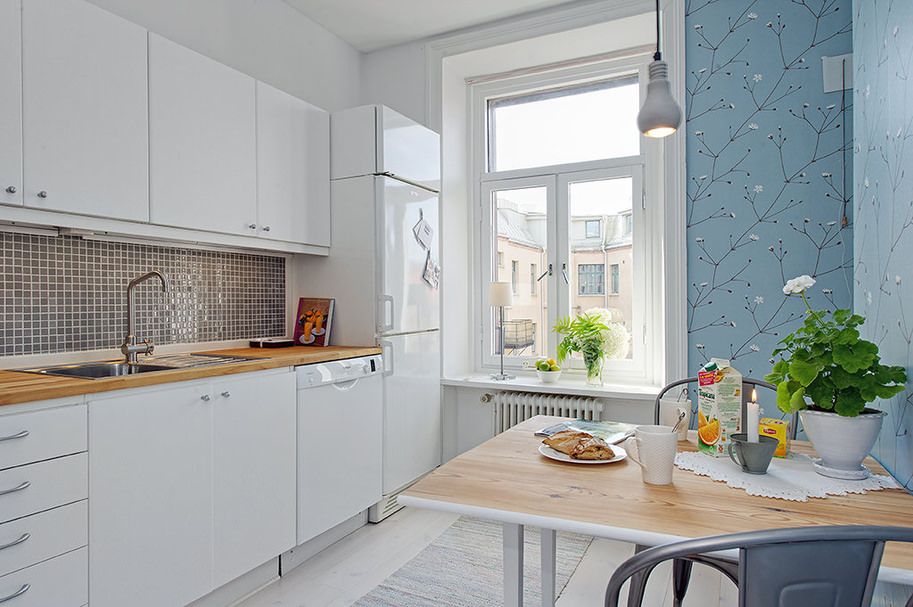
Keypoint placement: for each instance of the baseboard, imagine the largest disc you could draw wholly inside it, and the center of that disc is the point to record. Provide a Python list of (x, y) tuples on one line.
[(299, 554), (242, 587), (387, 506)]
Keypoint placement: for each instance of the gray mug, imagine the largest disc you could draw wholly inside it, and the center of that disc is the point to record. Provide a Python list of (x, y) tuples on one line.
[(753, 458)]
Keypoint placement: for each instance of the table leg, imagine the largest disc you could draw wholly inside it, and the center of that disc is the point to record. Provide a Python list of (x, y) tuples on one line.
[(513, 565), (547, 555)]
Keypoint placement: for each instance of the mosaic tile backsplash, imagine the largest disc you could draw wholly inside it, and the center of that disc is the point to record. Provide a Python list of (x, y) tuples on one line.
[(64, 294)]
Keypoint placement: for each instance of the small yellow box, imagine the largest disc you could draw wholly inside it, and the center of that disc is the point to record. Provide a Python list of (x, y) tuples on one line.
[(778, 429)]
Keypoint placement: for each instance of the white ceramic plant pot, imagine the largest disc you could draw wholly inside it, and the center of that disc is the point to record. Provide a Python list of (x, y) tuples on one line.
[(842, 442)]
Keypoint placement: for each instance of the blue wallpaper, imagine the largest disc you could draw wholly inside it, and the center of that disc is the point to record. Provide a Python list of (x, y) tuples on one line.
[(883, 41), (766, 199)]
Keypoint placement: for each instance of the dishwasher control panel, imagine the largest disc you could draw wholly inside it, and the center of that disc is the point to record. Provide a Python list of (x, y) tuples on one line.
[(338, 371)]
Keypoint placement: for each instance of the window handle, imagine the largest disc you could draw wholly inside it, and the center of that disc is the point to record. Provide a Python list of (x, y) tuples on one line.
[(546, 273), (567, 281)]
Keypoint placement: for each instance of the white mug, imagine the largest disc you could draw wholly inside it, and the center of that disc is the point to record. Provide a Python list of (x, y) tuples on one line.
[(669, 411), (653, 449)]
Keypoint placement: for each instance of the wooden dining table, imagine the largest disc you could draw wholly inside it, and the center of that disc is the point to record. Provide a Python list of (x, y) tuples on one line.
[(506, 480)]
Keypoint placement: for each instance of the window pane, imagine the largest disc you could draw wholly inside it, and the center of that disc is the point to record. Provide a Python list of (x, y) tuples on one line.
[(607, 202), (573, 124), (519, 231)]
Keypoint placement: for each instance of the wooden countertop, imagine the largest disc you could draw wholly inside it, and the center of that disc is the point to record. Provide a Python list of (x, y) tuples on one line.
[(506, 479), (18, 387)]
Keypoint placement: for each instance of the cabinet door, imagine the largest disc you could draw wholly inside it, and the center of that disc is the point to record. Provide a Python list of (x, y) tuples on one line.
[(293, 168), (253, 472), (84, 110), (203, 166), (10, 103), (150, 498)]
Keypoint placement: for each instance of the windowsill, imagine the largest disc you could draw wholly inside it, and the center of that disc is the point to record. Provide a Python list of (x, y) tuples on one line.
[(572, 384)]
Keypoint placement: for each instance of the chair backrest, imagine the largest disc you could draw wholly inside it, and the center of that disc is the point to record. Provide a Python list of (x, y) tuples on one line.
[(820, 566), (747, 384)]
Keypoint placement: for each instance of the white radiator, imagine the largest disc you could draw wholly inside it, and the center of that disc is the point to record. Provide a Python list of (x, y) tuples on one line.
[(511, 408)]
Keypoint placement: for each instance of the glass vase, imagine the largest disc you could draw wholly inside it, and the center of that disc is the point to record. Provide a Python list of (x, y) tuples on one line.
[(593, 369)]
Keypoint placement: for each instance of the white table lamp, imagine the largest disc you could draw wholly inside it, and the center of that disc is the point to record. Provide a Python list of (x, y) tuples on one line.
[(501, 295)]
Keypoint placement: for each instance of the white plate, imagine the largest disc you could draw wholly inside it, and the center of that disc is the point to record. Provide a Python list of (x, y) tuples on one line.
[(550, 453)]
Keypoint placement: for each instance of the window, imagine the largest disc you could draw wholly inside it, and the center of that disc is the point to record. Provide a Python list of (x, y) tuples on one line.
[(593, 228), (560, 201), (591, 279)]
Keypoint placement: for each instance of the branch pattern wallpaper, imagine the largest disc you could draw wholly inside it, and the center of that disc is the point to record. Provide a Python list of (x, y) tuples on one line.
[(883, 41), (769, 171)]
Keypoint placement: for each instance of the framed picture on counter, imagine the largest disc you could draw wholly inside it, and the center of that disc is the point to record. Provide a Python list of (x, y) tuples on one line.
[(313, 321)]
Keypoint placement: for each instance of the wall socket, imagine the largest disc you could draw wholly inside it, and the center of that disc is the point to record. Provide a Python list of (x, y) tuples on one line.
[(833, 70)]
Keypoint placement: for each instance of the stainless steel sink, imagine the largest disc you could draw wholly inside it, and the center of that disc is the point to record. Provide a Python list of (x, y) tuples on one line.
[(97, 370)]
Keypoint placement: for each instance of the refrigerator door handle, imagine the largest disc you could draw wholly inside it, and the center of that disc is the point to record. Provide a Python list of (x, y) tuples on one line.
[(385, 347), (386, 313)]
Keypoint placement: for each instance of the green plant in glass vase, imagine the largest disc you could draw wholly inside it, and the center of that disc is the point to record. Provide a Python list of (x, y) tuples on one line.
[(595, 336)]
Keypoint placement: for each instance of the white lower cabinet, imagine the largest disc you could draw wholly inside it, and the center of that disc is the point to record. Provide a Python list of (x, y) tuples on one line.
[(58, 582), (36, 538), (190, 487)]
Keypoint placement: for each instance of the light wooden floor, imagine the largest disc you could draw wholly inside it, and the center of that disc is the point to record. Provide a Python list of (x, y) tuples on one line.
[(349, 569)]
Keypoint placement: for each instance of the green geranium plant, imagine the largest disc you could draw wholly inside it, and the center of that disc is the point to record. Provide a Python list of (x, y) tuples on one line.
[(827, 361)]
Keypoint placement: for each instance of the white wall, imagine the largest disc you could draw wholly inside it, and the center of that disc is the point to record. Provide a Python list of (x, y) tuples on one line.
[(266, 39), (395, 77)]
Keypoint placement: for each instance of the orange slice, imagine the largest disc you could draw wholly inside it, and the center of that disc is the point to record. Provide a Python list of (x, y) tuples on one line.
[(710, 433), (701, 419)]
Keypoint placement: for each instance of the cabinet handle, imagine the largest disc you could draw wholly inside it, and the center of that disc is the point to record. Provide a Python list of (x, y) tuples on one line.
[(22, 434), (23, 485), (22, 538), (11, 189), (266, 228), (42, 194), (206, 398), (22, 590), (226, 394), (252, 226)]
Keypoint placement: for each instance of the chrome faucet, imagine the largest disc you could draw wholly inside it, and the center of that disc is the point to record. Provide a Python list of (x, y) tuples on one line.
[(130, 347)]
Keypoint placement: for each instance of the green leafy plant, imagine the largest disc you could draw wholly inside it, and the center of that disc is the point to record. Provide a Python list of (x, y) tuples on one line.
[(827, 361), (595, 336)]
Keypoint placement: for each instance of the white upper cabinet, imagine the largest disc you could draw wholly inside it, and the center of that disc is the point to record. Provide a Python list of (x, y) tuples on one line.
[(10, 103), (293, 168), (203, 145), (85, 123), (254, 472)]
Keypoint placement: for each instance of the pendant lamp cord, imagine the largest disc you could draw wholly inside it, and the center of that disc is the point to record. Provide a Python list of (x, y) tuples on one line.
[(657, 56)]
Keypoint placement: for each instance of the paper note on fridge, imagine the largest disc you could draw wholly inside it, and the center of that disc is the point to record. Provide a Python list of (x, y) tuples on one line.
[(424, 233)]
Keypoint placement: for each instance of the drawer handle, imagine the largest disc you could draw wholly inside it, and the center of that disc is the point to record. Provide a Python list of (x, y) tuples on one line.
[(20, 487), (22, 590), (22, 434), (22, 538)]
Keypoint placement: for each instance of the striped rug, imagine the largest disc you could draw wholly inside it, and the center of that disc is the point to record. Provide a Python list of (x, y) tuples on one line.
[(462, 568)]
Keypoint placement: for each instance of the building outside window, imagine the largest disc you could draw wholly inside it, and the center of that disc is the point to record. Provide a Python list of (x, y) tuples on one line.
[(500, 259), (515, 276), (533, 278), (615, 277), (591, 279), (593, 228)]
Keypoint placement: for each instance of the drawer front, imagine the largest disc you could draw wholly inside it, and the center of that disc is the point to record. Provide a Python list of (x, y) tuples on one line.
[(60, 582), (36, 538), (39, 435), (29, 489)]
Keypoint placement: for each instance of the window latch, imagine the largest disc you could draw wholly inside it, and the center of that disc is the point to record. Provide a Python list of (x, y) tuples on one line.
[(564, 273), (546, 273)]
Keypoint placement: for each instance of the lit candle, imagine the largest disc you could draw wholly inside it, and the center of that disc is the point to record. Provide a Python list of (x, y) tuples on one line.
[(753, 417)]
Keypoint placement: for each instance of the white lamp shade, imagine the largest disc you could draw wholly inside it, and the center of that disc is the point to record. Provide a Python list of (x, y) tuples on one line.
[(500, 294), (660, 115)]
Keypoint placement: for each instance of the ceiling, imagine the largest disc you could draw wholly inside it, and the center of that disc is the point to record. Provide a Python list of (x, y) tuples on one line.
[(369, 25)]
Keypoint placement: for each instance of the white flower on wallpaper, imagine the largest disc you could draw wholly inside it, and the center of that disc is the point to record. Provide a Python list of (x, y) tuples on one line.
[(884, 210), (766, 196)]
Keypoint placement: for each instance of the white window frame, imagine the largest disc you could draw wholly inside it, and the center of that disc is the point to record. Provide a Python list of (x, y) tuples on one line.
[(647, 329), (614, 279)]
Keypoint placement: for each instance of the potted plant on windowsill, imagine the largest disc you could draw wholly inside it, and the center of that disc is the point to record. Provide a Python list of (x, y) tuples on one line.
[(595, 336), (827, 362)]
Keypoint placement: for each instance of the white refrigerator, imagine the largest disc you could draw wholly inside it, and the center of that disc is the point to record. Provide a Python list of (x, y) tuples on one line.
[(383, 270)]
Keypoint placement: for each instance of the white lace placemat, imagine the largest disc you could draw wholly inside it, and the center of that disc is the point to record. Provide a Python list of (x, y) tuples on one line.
[(789, 479)]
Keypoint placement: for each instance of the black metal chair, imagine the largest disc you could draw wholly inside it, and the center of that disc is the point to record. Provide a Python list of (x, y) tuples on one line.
[(811, 566), (681, 567)]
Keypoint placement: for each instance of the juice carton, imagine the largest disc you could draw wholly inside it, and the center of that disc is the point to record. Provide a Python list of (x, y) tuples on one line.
[(719, 406), (778, 429)]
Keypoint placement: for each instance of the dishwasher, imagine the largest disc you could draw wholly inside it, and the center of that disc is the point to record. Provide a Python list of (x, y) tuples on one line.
[(340, 449)]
